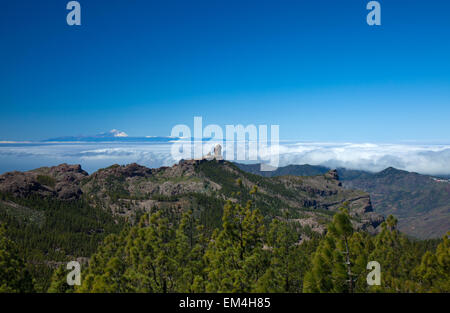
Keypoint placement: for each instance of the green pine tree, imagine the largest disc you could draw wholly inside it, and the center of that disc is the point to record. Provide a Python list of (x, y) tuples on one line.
[(287, 260), (336, 264), (235, 255), (59, 281), (433, 273), (14, 277)]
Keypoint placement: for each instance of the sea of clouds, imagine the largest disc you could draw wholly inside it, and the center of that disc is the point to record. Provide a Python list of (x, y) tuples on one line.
[(433, 159)]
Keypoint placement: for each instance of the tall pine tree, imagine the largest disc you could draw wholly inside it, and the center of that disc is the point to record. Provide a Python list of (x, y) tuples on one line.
[(235, 255)]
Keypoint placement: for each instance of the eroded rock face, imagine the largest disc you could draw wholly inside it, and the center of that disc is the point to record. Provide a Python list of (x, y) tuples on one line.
[(62, 181), (325, 192), (333, 174), (136, 185), (130, 170), (369, 220), (22, 184)]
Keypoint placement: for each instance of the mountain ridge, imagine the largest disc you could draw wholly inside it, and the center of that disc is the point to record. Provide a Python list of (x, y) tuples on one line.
[(126, 189), (421, 202)]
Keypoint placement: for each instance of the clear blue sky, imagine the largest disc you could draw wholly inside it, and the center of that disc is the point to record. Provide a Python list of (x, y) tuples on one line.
[(313, 67)]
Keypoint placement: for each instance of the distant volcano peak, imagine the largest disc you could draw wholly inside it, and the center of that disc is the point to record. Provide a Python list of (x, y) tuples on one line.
[(114, 133)]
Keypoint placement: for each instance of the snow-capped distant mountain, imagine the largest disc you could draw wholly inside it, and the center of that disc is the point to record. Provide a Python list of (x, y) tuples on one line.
[(112, 135), (115, 135)]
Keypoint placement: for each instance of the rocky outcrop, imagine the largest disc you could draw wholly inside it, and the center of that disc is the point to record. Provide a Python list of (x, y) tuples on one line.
[(133, 184), (22, 184), (130, 170), (62, 181), (323, 190), (421, 204), (333, 174)]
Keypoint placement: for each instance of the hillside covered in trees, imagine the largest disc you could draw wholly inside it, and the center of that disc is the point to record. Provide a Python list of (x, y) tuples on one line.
[(420, 202), (203, 226)]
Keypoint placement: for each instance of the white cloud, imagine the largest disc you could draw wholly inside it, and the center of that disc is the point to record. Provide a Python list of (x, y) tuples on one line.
[(425, 159)]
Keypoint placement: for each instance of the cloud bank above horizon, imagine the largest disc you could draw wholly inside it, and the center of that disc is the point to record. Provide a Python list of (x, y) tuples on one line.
[(373, 157)]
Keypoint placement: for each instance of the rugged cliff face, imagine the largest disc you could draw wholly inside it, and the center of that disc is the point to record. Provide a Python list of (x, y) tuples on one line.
[(200, 185), (421, 203), (62, 181)]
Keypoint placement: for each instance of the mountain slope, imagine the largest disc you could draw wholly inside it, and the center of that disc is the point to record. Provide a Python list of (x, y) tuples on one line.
[(297, 170), (125, 190), (61, 213), (130, 190), (143, 188), (420, 202)]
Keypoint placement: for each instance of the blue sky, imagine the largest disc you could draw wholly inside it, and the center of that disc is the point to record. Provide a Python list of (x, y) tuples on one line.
[(313, 67)]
